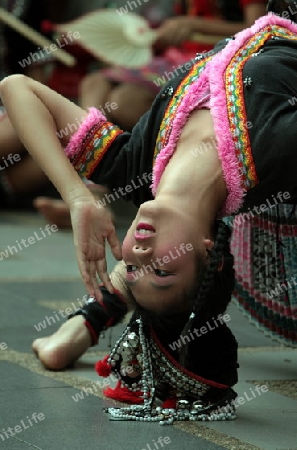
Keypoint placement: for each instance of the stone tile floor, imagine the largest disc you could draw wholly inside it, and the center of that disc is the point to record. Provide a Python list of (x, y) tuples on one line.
[(41, 279)]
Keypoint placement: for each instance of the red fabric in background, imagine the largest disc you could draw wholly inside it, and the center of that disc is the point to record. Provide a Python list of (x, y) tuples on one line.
[(203, 8), (250, 2), (195, 8), (65, 80)]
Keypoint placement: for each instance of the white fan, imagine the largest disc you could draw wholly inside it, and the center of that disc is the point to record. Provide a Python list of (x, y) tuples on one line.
[(121, 39), (124, 40)]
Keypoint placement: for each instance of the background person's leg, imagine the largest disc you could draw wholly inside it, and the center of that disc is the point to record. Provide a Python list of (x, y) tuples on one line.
[(132, 102), (9, 142), (25, 176), (19, 173), (94, 91)]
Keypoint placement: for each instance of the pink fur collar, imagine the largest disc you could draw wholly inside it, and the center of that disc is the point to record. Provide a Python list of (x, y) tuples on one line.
[(212, 79)]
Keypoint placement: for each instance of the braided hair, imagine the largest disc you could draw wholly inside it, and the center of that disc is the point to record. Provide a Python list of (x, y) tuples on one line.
[(281, 6), (217, 277), (212, 294)]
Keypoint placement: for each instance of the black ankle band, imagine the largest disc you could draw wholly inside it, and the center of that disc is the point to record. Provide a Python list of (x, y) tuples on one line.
[(101, 316)]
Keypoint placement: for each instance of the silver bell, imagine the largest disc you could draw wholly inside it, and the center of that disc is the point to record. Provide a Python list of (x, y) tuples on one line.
[(183, 404), (197, 407)]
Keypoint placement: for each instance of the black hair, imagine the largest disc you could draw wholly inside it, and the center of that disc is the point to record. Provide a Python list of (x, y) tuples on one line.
[(208, 298), (280, 6), (216, 280), (213, 292)]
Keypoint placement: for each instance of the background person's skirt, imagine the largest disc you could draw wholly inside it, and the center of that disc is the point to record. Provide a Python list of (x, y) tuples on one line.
[(265, 252)]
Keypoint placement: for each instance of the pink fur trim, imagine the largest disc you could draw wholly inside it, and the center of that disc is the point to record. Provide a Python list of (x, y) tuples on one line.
[(218, 102), (214, 70), (74, 146), (273, 19)]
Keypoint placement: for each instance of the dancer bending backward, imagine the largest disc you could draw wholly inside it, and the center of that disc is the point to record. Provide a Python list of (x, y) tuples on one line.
[(214, 144)]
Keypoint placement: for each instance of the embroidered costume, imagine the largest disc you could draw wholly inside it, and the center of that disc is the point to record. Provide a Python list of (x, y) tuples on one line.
[(251, 150), (247, 82), (145, 360)]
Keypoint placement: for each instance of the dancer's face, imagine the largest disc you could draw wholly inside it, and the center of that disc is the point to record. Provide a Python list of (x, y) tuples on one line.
[(160, 251)]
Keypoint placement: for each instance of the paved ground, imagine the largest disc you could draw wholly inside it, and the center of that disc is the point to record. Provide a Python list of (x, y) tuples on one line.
[(41, 279)]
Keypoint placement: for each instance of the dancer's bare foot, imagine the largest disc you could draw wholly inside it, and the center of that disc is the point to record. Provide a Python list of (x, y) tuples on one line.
[(54, 211), (58, 351)]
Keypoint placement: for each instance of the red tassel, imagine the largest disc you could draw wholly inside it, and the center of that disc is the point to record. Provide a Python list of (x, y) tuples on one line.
[(169, 403), (103, 368), (123, 394), (47, 26)]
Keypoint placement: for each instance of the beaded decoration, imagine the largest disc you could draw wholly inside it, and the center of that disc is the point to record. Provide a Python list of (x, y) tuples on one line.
[(153, 374), (172, 108)]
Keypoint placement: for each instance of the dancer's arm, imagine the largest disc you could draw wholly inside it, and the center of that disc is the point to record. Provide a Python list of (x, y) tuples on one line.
[(111, 309), (38, 114), (176, 30), (45, 122)]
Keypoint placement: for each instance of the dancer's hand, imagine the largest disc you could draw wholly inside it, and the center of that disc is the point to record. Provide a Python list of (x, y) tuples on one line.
[(92, 226), (175, 31)]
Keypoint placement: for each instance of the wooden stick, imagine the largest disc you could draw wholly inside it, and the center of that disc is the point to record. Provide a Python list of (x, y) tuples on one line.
[(35, 37)]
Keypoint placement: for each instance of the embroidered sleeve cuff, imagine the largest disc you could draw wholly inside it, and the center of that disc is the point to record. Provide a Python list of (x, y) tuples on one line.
[(90, 143)]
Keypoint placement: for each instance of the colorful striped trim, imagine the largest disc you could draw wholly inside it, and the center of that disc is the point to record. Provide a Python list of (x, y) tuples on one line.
[(225, 101), (172, 108), (264, 249), (235, 102), (274, 325), (94, 146)]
